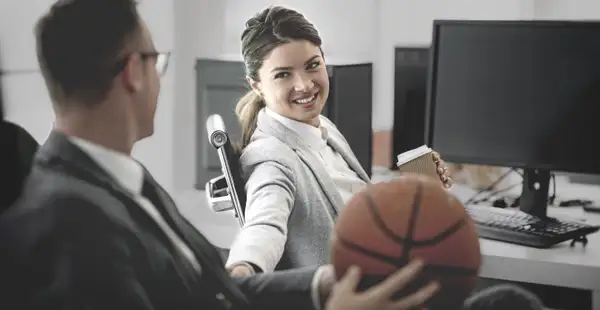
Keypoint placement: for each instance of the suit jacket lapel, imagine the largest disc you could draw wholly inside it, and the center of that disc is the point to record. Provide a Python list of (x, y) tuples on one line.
[(327, 184), (273, 127), (344, 150)]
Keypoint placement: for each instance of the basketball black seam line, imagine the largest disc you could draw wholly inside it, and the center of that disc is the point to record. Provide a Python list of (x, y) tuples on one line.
[(400, 239), (412, 222), (400, 261)]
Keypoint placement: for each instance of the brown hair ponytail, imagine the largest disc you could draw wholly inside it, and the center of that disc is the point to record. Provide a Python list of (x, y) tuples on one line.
[(247, 112)]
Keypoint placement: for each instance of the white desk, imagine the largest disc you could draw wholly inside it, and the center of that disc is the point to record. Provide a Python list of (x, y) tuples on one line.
[(565, 266)]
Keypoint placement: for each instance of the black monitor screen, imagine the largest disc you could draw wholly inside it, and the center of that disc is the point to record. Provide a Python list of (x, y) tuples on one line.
[(519, 94)]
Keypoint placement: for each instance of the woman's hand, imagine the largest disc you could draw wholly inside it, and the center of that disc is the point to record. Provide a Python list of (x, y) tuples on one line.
[(343, 295), (442, 170), (241, 270)]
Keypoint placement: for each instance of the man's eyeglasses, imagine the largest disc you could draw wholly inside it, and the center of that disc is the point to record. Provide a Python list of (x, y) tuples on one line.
[(162, 61)]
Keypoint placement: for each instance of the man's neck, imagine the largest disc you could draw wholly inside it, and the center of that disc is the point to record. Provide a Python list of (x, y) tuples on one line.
[(99, 130)]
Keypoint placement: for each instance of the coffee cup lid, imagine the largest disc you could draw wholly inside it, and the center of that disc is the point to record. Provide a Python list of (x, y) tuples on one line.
[(412, 154)]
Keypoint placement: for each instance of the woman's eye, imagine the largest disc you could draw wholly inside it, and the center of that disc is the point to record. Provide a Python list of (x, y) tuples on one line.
[(282, 75), (313, 65)]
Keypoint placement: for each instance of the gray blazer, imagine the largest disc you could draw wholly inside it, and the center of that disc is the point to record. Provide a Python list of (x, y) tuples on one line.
[(292, 201)]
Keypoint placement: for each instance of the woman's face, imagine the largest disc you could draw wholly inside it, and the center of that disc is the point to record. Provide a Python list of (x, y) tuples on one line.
[(294, 81)]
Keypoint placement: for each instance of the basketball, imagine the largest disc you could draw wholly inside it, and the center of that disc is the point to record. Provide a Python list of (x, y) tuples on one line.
[(388, 224)]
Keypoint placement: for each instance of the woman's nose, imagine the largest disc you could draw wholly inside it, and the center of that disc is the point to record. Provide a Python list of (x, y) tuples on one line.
[(303, 83)]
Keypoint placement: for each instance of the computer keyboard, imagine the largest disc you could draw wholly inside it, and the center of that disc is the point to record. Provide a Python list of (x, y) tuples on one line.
[(518, 227)]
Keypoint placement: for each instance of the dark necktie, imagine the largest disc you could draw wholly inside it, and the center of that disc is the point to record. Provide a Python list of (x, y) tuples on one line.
[(151, 193)]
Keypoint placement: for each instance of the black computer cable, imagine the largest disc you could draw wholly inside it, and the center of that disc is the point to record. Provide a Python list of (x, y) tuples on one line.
[(496, 192), (490, 187)]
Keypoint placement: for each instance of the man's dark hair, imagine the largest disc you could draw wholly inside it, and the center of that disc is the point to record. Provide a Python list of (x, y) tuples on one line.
[(79, 45)]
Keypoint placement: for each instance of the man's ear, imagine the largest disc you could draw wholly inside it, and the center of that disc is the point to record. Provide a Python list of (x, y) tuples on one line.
[(256, 87), (132, 75)]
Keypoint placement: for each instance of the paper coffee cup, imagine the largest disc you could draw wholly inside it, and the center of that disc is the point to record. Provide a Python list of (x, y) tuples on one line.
[(419, 161)]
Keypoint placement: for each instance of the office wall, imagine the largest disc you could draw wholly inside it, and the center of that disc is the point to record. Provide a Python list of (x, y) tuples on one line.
[(572, 9)]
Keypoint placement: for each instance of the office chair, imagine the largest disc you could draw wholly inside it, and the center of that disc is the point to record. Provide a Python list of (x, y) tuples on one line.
[(225, 192), (18, 149)]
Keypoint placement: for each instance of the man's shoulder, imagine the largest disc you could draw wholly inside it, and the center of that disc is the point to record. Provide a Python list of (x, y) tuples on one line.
[(57, 199), (49, 202)]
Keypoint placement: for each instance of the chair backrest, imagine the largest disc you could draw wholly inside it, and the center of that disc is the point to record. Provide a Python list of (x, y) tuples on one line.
[(230, 185), (18, 149)]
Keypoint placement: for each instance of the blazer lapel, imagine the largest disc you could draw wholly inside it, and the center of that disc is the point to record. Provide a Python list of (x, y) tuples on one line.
[(344, 150), (274, 128), (325, 181)]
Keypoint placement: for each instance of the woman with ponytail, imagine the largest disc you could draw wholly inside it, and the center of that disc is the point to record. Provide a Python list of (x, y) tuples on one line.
[(298, 168)]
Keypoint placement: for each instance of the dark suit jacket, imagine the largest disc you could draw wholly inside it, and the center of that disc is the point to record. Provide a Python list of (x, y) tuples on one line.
[(77, 240)]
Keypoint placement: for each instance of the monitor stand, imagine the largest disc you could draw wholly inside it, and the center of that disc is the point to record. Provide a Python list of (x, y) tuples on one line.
[(536, 187), (534, 197)]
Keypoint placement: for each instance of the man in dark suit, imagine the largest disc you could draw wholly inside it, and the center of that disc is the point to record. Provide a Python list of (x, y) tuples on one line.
[(93, 229)]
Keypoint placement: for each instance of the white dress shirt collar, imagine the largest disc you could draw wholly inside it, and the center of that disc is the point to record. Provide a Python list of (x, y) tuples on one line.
[(124, 169), (314, 137)]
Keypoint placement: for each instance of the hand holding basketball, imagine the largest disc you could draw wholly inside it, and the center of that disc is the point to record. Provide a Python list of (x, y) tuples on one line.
[(389, 224), (345, 296)]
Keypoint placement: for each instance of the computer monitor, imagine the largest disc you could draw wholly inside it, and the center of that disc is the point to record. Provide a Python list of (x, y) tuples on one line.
[(410, 91), (522, 94)]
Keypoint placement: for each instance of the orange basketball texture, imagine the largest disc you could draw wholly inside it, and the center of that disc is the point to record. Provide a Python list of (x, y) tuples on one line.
[(390, 223)]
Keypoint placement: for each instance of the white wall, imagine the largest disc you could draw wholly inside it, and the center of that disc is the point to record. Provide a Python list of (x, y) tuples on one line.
[(25, 99), (571, 9)]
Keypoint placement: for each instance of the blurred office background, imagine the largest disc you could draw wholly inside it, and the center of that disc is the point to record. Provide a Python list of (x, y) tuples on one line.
[(389, 37)]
